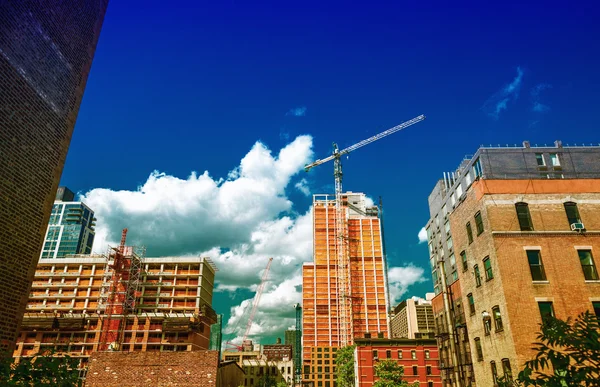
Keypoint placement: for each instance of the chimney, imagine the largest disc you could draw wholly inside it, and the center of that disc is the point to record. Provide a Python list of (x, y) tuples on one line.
[(558, 144), (526, 144)]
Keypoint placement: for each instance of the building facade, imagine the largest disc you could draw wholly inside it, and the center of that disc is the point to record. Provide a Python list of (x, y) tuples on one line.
[(46, 52), (418, 357), (367, 298), (66, 311), (413, 318), (278, 351), (71, 228), (257, 370), (513, 236)]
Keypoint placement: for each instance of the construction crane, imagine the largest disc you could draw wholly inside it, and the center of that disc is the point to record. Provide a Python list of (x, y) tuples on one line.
[(257, 296), (344, 298)]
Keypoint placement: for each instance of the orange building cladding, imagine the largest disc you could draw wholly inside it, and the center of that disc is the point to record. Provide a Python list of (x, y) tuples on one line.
[(367, 286)]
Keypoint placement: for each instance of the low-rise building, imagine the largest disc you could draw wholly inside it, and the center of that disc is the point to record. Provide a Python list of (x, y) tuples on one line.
[(419, 358), (413, 318), (257, 370)]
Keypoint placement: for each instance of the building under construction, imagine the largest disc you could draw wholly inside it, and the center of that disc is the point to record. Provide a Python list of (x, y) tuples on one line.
[(119, 301), (335, 303)]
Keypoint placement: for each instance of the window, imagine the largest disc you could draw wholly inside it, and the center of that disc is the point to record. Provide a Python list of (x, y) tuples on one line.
[(478, 349), (468, 179), (375, 354), (477, 169), (506, 369), (449, 243), (497, 318), (587, 264), (494, 373), (327, 370), (388, 354), (399, 354), (428, 370), (463, 258), (540, 160), (546, 309), (454, 276), (415, 370), (596, 307), (478, 223), (535, 265), (469, 232), (554, 160), (413, 354), (427, 351), (572, 213), (459, 190), (477, 275), (524, 216), (471, 303), (429, 384), (447, 227), (487, 266), (487, 325)]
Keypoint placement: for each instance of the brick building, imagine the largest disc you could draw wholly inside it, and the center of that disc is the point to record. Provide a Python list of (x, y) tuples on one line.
[(277, 351), (367, 295), (184, 369), (66, 310), (516, 233), (418, 357), (46, 52)]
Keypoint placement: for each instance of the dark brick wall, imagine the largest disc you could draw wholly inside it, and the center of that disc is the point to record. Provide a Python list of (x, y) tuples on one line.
[(46, 51), (132, 369)]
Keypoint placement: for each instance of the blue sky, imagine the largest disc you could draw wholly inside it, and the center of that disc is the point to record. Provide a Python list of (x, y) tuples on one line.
[(193, 87)]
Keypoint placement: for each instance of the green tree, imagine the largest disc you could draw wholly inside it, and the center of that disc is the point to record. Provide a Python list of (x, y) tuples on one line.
[(267, 381), (390, 374), (568, 354), (41, 370), (282, 384), (344, 362)]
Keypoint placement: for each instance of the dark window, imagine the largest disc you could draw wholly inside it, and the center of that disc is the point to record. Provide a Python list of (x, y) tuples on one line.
[(506, 369), (429, 384), (524, 217), (463, 257), (477, 275), (415, 370), (494, 373), (572, 213), (477, 168), (546, 309), (374, 354), (326, 370), (469, 232), (535, 265), (427, 354), (540, 160), (487, 325), (487, 266), (388, 354), (478, 349), (428, 370), (471, 303), (497, 318), (596, 307), (587, 264), (478, 223)]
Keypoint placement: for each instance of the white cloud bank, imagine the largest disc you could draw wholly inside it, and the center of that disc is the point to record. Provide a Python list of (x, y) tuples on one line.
[(239, 221), (422, 235)]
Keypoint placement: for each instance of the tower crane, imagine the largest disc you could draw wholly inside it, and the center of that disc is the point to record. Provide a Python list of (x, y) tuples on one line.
[(255, 302), (343, 266)]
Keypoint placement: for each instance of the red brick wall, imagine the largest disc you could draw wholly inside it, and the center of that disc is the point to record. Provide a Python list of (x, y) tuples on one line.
[(132, 369), (366, 362)]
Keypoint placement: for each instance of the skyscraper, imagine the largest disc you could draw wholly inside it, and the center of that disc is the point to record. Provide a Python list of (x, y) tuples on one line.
[(367, 298), (71, 227), (46, 52), (513, 236), (413, 318)]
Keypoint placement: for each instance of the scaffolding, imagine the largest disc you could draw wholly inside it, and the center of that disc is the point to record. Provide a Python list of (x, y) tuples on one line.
[(119, 291)]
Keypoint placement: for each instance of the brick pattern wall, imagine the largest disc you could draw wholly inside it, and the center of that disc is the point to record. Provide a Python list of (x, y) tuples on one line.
[(46, 54), (182, 369)]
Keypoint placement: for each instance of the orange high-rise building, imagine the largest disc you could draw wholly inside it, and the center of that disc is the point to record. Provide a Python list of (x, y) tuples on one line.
[(367, 299)]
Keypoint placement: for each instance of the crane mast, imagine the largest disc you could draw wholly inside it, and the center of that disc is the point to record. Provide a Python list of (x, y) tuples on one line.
[(345, 316)]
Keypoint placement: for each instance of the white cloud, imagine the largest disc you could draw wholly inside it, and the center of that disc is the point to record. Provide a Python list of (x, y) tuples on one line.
[(498, 102), (297, 111), (422, 235), (401, 278), (302, 186), (537, 106)]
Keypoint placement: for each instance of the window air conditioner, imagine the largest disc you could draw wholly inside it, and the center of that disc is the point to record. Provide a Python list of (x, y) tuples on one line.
[(577, 227)]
